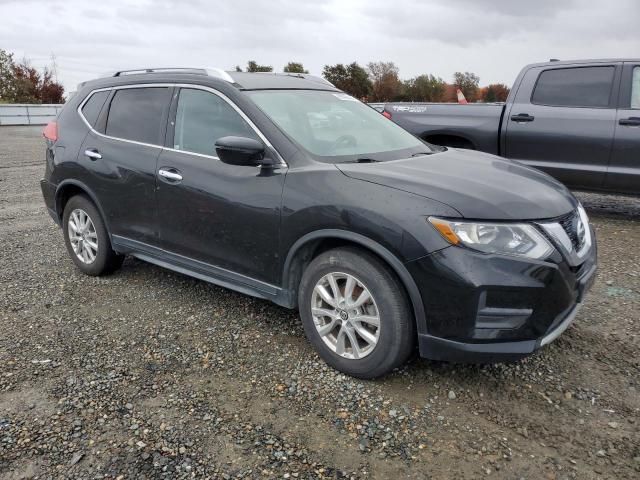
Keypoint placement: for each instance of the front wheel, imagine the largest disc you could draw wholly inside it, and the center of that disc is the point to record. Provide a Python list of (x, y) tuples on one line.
[(355, 313)]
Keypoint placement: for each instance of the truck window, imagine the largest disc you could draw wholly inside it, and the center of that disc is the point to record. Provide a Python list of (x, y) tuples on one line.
[(136, 114), (574, 87), (635, 88)]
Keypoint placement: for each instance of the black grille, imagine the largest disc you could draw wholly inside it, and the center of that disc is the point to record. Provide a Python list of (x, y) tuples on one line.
[(570, 224)]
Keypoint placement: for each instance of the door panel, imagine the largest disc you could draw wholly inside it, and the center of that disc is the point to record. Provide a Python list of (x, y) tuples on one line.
[(624, 169), (124, 181), (571, 143), (226, 216), (119, 156)]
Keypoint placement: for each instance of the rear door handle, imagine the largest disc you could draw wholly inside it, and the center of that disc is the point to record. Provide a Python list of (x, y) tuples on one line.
[(522, 117), (170, 174), (630, 122), (93, 154)]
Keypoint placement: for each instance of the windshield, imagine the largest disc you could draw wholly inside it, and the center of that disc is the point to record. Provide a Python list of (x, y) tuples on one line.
[(335, 127)]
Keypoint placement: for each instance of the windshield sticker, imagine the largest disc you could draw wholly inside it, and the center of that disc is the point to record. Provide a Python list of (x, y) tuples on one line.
[(345, 97), (410, 108)]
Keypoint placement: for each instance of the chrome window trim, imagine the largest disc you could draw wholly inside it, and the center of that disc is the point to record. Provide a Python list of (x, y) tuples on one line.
[(179, 85)]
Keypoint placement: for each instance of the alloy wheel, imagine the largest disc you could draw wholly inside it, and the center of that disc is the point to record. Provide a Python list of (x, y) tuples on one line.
[(345, 315), (83, 236)]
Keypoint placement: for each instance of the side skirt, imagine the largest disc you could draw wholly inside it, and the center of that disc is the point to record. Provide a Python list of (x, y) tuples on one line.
[(201, 270)]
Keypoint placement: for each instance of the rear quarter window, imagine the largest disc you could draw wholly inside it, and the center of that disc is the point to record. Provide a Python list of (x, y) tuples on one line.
[(92, 107), (136, 114), (574, 87)]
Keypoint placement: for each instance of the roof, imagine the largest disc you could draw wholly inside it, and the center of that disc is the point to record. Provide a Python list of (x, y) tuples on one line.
[(269, 80), (584, 61), (241, 80)]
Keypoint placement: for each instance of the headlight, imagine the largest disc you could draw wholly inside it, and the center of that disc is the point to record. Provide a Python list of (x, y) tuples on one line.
[(518, 239)]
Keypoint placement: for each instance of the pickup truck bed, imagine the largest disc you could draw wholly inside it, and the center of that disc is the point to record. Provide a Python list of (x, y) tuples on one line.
[(475, 125)]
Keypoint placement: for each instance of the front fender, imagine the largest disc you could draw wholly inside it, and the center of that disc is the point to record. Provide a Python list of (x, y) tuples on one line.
[(295, 260)]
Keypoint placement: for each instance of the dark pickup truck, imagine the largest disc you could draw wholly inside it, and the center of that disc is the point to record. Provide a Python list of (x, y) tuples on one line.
[(579, 121)]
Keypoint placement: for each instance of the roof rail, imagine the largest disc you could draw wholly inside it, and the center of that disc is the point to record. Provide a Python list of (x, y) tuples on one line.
[(210, 71), (120, 73)]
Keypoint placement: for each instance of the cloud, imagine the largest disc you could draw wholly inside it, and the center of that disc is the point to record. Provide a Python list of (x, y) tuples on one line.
[(493, 38)]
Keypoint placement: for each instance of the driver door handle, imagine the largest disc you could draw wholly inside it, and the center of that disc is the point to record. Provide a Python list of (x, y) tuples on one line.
[(170, 174), (522, 117), (631, 121)]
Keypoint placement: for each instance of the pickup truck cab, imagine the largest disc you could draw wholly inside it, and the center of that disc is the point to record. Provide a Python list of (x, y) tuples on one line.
[(579, 121)]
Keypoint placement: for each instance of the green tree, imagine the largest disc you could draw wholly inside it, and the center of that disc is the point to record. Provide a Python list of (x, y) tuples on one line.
[(22, 83), (295, 67), (252, 66), (7, 77), (351, 78), (468, 83), (423, 88), (238, 69), (496, 92), (386, 85)]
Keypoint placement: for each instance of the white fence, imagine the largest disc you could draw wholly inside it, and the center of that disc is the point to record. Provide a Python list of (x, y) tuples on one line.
[(28, 114)]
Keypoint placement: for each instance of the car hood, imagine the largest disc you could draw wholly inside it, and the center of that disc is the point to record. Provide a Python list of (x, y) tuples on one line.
[(478, 185)]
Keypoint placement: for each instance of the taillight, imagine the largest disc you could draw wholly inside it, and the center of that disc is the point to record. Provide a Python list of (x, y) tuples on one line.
[(386, 114), (50, 132)]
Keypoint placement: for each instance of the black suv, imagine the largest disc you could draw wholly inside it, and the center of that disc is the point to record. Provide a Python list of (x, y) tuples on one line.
[(282, 187)]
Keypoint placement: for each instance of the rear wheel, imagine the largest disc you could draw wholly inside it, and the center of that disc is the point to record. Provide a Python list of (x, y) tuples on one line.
[(86, 238), (355, 313)]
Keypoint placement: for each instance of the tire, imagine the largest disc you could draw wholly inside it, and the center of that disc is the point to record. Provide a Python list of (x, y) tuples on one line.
[(395, 335), (91, 261)]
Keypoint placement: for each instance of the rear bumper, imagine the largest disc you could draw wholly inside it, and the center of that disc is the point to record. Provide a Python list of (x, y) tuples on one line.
[(486, 308), (49, 194)]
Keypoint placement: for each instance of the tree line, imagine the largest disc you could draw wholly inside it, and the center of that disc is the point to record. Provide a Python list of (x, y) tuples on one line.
[(380, 82), (20, 82)]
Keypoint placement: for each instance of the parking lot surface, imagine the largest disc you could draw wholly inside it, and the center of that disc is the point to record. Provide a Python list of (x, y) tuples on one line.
[(151, 374)]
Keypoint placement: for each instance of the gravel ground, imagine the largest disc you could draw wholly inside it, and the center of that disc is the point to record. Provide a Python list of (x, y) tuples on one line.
[(151, 374)]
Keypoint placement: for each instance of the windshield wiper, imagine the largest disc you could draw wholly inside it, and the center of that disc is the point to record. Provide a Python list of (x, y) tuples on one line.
[(362, 160), (421, 153)]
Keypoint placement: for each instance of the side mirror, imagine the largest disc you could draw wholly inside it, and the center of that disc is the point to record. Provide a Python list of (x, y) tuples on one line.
[(241, 151)]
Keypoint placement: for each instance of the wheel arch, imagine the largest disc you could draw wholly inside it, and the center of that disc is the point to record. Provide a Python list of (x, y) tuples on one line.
[(447, 139), (69, 188), (310, 245)]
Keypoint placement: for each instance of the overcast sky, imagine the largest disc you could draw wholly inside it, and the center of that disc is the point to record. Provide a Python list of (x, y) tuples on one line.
[(493, 38)]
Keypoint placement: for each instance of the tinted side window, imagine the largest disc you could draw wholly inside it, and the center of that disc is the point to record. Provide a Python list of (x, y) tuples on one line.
[(92, 107), (136, 114), (574, 87), (635, 88), (202, 118)]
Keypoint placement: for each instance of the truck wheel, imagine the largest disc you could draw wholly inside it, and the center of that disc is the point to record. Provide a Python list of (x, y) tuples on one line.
[(86, 238), (355, 313)]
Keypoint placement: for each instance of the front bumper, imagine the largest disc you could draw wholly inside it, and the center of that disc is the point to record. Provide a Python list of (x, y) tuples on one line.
[(489, 308)]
